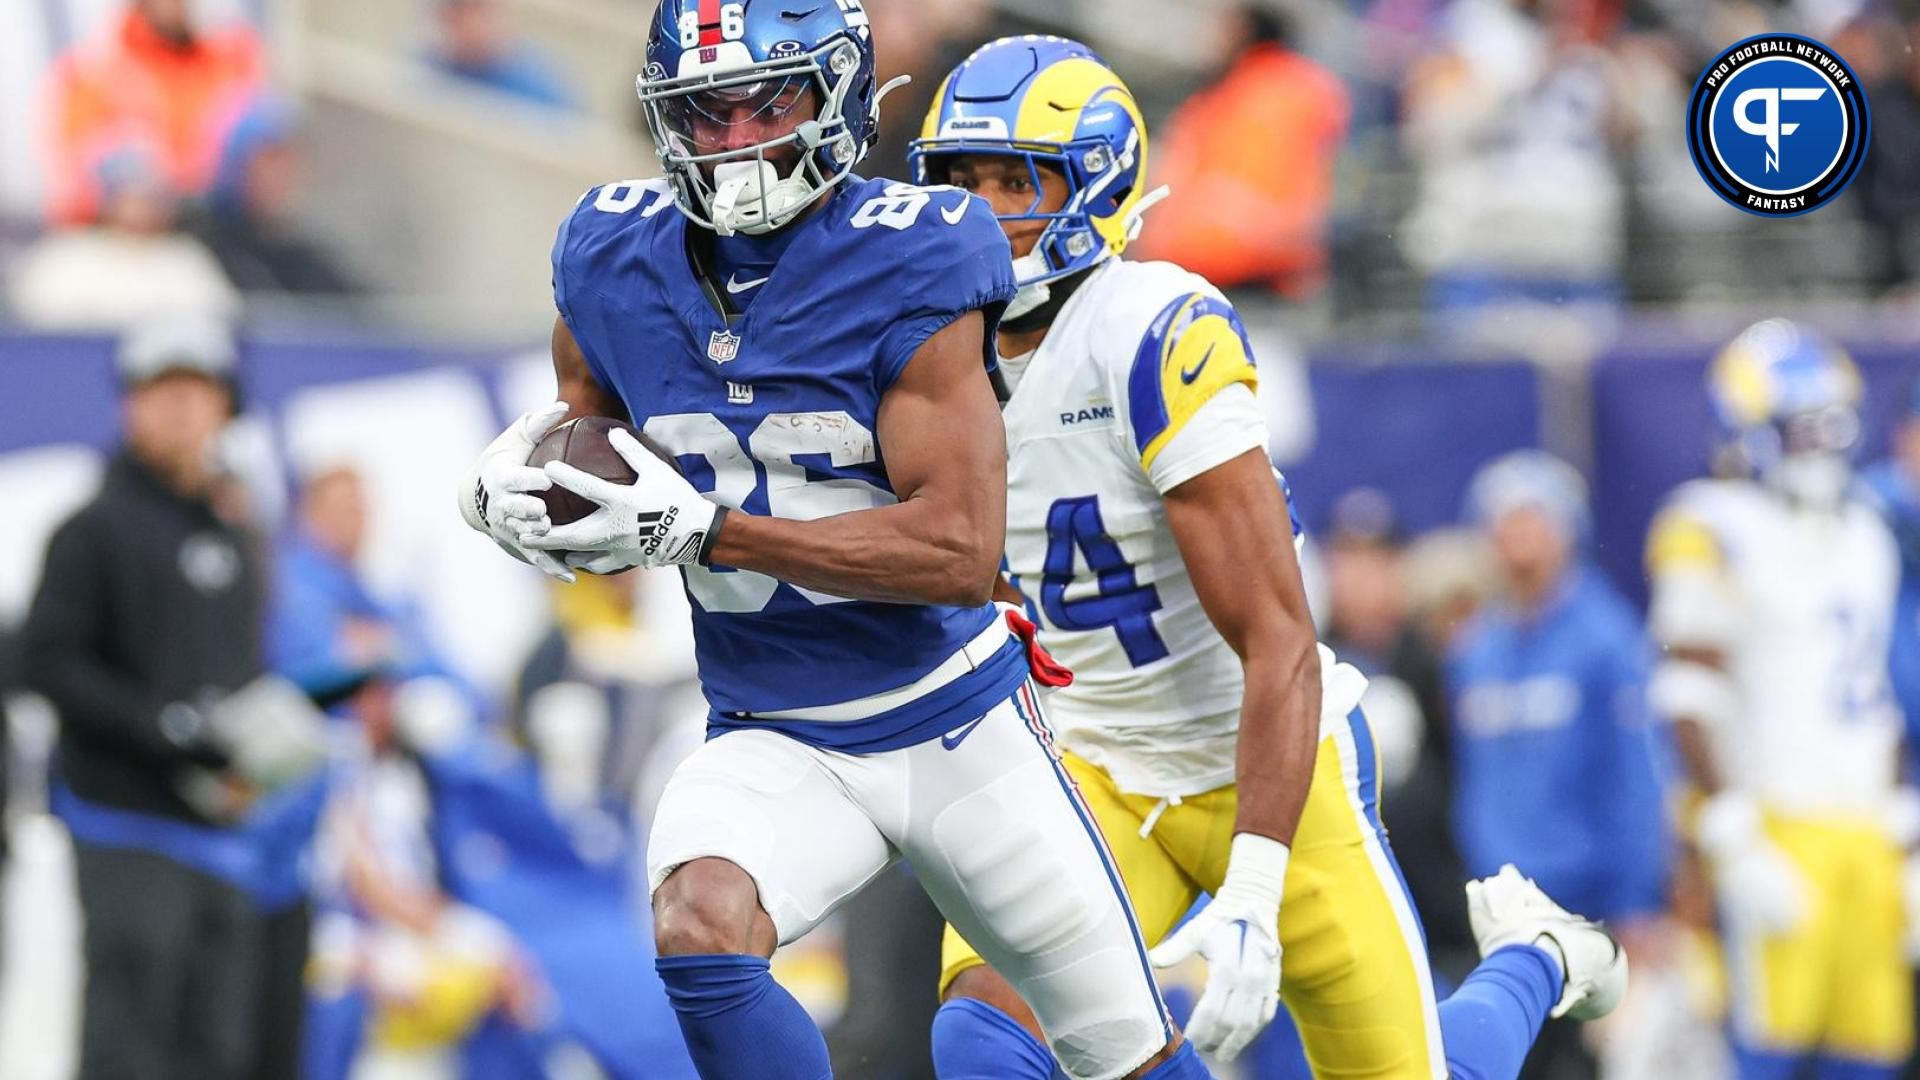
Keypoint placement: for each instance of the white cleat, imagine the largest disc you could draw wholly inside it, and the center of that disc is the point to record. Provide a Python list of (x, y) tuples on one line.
[(1509, 909)]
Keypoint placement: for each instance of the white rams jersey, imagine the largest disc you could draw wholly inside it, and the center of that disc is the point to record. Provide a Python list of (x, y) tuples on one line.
[(1144, 381), (1800, 604)]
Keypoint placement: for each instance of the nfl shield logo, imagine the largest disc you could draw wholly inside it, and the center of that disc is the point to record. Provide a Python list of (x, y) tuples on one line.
[(723, 346)]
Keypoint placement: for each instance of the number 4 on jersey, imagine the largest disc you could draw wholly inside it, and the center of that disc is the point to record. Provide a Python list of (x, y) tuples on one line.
[(1074, 527)]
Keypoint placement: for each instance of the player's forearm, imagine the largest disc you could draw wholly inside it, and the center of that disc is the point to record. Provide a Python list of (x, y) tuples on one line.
[(1695, 747), (913, 552), (574, 380), (1279, 735), (102, 702), (1690, 688)]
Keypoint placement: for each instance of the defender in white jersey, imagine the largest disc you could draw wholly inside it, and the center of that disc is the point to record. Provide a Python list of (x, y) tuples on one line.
[(1773, 597), (1220, 748), (1157, 691)]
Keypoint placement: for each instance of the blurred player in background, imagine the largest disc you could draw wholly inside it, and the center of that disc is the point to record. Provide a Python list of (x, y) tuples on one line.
[(1146, 519), (1772, 598), (812, 348)]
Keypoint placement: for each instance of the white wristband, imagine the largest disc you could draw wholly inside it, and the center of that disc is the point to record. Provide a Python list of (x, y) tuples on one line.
[(1689, 690), (1728, 823), (1902, 818), (1257, 868)]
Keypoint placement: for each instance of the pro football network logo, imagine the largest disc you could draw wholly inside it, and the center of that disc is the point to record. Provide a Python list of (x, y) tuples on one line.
[(1778, 125)]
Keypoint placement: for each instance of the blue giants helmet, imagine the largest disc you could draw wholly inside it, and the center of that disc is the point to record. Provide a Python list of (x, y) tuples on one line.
[(1048, 101), (725, 90)]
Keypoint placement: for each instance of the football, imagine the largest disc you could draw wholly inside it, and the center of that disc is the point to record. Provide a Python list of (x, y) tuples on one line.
[(582, 443)]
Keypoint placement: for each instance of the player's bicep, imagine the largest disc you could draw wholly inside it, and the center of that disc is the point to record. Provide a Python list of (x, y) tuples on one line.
[(575, 380), (941, 438), (1232, 525)]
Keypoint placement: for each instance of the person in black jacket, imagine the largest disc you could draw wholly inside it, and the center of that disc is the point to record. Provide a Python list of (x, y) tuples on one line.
[(145, 634)]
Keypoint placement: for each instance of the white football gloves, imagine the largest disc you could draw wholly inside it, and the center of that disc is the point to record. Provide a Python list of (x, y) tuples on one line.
[(658, 520), (1754, 882), (1238, 934), (500, 497)]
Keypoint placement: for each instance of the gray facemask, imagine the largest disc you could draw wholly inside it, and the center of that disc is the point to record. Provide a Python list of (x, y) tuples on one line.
[(1817, 480)]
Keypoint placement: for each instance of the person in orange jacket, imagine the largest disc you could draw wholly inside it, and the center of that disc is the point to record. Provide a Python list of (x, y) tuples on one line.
[(1250, 162), (154, 76)]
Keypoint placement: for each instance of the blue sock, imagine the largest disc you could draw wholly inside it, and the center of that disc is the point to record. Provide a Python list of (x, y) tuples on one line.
[(1183, 1065), (972, 1040), (1752, 1064), (739, 1023), (1490, 1022), (1828, 1067)]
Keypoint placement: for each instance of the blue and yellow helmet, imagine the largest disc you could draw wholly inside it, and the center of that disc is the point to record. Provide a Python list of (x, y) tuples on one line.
[(1780, 390), (1048, 101)]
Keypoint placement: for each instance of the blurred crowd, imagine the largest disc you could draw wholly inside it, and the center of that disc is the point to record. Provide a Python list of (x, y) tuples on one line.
[(173, 165), (1447, 166)]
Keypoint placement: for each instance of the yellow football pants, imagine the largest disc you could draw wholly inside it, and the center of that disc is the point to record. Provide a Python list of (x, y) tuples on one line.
[(1838, 982), (1354, 971)]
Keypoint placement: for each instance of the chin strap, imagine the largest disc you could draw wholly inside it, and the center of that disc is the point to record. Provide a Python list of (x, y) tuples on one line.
[(751, 197), (1136, 215), (1029, 297), (892, 84), (1055, 295), (721, 209)]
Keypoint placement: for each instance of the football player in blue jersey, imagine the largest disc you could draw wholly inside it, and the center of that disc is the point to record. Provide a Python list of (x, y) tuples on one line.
[(812, 351), (1222, 750)]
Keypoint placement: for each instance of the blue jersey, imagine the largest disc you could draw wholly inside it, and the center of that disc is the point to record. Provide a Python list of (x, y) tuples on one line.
[(1554, 751), (775, 413)]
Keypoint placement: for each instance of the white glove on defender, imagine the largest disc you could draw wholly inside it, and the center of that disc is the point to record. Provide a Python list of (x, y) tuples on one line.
[(1755, 883), (658, 520), (498, 497), (1238, 934)]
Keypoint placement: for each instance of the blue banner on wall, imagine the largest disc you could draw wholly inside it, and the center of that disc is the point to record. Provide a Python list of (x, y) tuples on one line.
[(1416, 431)]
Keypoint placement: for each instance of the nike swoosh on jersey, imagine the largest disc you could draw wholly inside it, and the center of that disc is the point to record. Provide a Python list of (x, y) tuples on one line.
[(735, 286), (953, 216), (1187, 376), (954, 738)]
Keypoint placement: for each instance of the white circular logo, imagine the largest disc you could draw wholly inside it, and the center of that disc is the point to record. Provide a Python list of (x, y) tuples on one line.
[(209, 562)]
